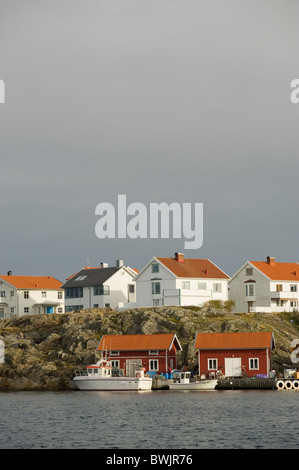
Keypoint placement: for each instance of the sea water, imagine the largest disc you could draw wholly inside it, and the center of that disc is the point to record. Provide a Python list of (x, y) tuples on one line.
[(259, 419)]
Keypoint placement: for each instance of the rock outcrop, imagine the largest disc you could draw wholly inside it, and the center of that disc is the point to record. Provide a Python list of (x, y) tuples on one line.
[(42, 351)]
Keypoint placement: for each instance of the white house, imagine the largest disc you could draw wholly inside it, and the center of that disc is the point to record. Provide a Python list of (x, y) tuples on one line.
[(101, 287), (23, 295), (180, 281), (265, 286)]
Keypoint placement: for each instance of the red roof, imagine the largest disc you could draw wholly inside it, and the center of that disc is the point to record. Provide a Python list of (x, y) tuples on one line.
[(33, 282), (196, 268), (138, 342), (278, 271), (257, 340)]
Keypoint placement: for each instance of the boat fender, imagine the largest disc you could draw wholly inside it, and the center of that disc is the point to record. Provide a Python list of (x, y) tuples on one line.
[(280, 384)]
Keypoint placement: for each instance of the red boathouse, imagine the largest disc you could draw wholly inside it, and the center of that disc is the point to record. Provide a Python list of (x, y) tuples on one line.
[(156, 352), (234, 354)]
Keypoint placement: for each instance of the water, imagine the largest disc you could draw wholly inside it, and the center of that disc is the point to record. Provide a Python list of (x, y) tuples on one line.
[(259, 419)]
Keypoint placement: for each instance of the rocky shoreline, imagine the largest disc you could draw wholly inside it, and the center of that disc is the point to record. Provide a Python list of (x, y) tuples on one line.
[(42, 351)]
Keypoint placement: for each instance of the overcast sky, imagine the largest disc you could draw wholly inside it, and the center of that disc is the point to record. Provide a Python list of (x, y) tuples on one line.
[(160, 100)]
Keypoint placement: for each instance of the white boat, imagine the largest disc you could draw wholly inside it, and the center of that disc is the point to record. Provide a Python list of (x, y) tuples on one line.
[(181, 381), (99, 376)]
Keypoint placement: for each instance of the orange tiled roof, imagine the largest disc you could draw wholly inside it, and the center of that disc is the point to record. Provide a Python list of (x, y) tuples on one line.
[(137, 342), (280, 271), (198, 268), (234, 340), (33, 282)]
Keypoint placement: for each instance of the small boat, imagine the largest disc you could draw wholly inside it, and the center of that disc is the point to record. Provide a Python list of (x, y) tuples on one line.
[(181, 381), (101, 377)]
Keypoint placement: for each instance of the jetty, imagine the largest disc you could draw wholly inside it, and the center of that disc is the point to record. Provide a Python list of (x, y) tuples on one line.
[(240, 383)]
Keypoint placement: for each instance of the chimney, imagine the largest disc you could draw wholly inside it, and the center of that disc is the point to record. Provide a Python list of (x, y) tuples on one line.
[(9, 273), (271, 261), (295, 273), (206, 271), (179, 257), (104, 265), (119, 263)]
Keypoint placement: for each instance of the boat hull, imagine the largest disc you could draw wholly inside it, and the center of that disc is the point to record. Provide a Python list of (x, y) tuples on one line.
[(209, 384), (113, 384)]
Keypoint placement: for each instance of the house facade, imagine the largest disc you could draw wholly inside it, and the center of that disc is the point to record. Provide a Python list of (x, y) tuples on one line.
[(265, 286), (100, 287), (155, 352), (30, 295), (180, 281), (234, 354)]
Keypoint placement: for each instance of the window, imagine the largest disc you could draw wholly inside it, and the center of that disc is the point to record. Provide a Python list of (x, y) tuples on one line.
[(293, 303), (107, 305), (70, 308), (95, 305), (294, 288), (12, 310), (115, 364), (153, 352), (114, 353), (202, 286), (249, 271), (59, 295), (26, 309), (59, 310), (212, 364), (155, 268), (80, 278), (217, 287), (156, 302), (249, 289), (253, 363), (101, 290), (185, 284), (131, 288), (278, 287), (153, 364), (44, 294), (74, 292), (156, 288), (3, 293), (26, 294), (12, 294)]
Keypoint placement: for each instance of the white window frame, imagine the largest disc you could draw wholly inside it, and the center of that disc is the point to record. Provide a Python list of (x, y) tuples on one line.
[(155, 284), (186, 285), (202, 286), (211, 362), (114, 353), (154, 364), (155, 267), (215, 288), (153, 352), (252, 361), (250, 290), (115, 363)]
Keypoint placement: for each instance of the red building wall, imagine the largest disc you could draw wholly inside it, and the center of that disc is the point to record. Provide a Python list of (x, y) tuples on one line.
[(245, 355), (164, 358)]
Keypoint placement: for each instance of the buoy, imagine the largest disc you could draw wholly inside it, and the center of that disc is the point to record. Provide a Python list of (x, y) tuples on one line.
[(288, 385), (280, 384), (296, 384)]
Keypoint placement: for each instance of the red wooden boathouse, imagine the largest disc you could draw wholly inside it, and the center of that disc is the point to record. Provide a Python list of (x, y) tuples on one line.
[(156, 352), (234, 354)]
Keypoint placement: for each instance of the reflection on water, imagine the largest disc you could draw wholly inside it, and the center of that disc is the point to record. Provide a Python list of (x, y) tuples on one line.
[(150, 420)]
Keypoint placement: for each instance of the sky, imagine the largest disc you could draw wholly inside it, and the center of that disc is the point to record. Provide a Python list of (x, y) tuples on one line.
[(160, 100)]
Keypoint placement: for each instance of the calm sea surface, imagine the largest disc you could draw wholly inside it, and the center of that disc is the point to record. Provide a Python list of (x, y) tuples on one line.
[(263, 419)]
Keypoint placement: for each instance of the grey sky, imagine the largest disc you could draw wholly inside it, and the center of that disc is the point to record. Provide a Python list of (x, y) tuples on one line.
[(185, 101)]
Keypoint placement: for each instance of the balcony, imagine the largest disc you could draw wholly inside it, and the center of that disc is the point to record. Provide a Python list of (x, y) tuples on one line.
[(284, 295)]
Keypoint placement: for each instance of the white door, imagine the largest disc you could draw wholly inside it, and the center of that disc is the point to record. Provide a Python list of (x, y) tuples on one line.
[(131, 366), (233, 366)]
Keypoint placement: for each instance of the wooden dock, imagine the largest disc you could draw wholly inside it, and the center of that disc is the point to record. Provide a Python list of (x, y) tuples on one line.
[(235, 383)]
